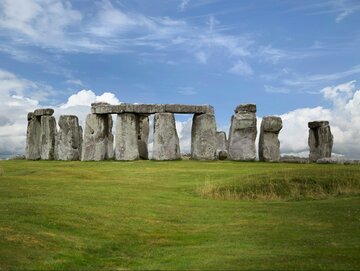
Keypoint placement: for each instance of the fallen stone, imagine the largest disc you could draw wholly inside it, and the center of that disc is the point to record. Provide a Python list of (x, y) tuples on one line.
[(68, 139), (43, 112), (242, 134), (166, 141), (48, 137), (294, 159), (203, 137), (320, 140), (269, 144), (126, 145), (98, 139)]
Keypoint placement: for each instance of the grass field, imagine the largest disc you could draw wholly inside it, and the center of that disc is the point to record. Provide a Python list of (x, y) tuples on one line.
[(179, 215)]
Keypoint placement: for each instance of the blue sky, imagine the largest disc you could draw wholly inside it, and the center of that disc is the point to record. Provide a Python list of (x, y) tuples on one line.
[(296, 59)]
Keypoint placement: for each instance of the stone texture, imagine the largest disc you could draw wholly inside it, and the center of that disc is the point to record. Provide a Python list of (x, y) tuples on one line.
[(98, 139), (33, 138), (69, 138), (103, 108), (44, 112), (294, 159), (143, 136), (126, 145), (48, 136), (269, 144), (320, 140), (221, 146), (203, 137), (242, 134), (166, 141), (221, 155)]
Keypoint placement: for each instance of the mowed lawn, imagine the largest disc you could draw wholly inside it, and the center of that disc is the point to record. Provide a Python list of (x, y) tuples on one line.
[(150, 215)]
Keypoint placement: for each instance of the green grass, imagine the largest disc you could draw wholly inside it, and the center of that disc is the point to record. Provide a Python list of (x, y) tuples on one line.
[(157, 215)]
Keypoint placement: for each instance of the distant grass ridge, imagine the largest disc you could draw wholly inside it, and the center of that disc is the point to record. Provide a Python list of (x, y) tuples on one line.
[(293, 185)]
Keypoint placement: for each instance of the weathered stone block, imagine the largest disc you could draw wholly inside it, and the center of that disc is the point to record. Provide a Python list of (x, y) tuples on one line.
[(143, 136), (166, 141), (98, 139), (33, 138), (44, 112), (320, 140), (126, 146), (48, 137), (203, 137), (69, 138), (269, 144), (242, 134)]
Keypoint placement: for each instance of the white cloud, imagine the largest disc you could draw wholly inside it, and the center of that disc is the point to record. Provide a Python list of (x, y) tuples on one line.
[(86, 97), (75, 82), (242, 68)]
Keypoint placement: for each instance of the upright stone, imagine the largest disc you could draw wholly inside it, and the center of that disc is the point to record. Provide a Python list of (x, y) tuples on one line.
[(48, 136), (166, 141), (98, 138), (320, 140), (203, 137), (242, 133), (69, 138), (269, 144), (33, 137), (143, 136), (221, 145), (126, 137)]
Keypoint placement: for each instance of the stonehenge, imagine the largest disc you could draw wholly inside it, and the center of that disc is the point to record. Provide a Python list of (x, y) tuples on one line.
[(242, 134), (99, 141), (269, 144), (320, 140)]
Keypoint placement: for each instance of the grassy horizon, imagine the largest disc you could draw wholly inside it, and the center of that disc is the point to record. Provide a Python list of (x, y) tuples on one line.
[(157, 215)]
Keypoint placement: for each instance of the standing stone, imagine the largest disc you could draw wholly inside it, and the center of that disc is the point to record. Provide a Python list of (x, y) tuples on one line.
[(221, 146), (242, 133), (126, 147), (269, 144), (98, 138), (69, 138), (33, 137), (48, 136), (320, 140), (143, 136), (203, 137), (166, 141)]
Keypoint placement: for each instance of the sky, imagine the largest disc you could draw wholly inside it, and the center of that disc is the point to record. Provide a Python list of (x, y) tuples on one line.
[(299, 60)]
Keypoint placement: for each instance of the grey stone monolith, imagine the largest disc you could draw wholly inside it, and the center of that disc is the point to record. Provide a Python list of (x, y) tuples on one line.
[(242, 134), (126, 137), (221, 145), (166, 141), (48, 136), (33, 137), (143, 136), (98, 139), (203, 137), (269, 144), (320, 140), (69, 138)]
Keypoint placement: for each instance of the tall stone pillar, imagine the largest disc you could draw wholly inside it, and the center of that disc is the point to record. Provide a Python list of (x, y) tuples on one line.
[(242, 134), (69, 138), (203, 137), (126, 146), (143, 136), (221, 145), (48, 136), (166, 141), (269, 144), (33, 137), (98, 139), (320, 140)]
